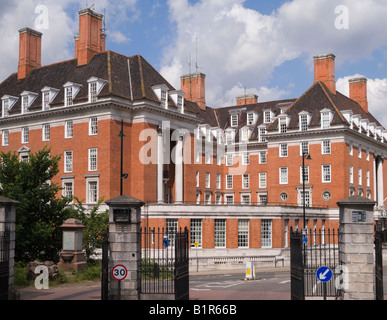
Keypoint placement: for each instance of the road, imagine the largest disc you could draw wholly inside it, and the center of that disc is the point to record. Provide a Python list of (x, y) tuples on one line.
[(269, 285), (266, 286)]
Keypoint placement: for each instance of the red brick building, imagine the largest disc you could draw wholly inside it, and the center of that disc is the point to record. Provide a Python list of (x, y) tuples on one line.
[(233, 175)]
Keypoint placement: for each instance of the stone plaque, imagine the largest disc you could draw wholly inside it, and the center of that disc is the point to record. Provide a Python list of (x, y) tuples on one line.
[(79, 241), (68, 241), (359, 216), (121, 215)]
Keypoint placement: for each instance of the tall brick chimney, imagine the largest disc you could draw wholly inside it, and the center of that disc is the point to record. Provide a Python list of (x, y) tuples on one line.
[(91, 39), (30, 52), (358, 91), (194, 87), (324, 70)]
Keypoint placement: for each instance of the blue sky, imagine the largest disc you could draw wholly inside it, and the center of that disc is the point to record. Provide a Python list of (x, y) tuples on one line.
[(265, 46)]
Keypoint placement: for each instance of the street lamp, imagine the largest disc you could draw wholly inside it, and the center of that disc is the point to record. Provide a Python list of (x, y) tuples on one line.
[(307, 157)]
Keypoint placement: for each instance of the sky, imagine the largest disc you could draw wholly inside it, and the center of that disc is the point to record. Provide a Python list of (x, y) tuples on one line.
[(262, 47)]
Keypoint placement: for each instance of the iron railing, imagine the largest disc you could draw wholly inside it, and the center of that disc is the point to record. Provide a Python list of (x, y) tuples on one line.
[(320, 250)]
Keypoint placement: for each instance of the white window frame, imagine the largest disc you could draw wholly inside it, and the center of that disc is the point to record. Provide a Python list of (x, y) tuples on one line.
[(325, 174), (368, 177), (220, 233), (229, 181), (304, 148), (303, 122), (69, 129), (208, 180), (306, 173), (245, 199), (218, 181), (262, 180), (71, 90), (93, 126), (5, 138), (89, 183), (245, 181), (196, 233), (245, 159), (229, 160), (266, 233), (351, 175), (234, 119), (250, 118), (93, 159), (283, 150), (360, 176), (46, 132), (197, 179), (326, 147), (227, 198), (263, 157), (68, 161), (325, 119), (243, 233), (267, 116), (25, 135), (283, 175)]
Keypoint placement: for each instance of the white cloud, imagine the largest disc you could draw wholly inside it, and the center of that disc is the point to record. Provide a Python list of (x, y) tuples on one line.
[(377, 95), (240, 47)]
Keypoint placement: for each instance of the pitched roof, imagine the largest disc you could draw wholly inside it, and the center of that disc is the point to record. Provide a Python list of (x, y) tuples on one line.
[(108, 65), (317, 98)]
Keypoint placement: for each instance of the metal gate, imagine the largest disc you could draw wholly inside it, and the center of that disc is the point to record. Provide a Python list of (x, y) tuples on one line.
[(164, 263), (296, 266), (319, 249), (105, 268), (379, 265), (4, 264)]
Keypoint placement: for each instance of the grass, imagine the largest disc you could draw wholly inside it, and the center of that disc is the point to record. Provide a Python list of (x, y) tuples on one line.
[(91, 272)]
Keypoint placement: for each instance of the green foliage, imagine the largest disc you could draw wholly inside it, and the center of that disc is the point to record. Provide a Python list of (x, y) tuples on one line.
[(40, 212), (96, 225)]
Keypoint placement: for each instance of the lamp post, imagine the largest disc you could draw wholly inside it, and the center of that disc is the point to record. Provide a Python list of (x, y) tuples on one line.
[(307, 157)]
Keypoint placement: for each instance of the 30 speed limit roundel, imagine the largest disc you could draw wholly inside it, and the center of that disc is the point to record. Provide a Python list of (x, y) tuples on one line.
[(119, 272)]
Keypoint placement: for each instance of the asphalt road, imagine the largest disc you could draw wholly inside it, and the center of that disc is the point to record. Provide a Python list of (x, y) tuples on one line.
[(269, 285)]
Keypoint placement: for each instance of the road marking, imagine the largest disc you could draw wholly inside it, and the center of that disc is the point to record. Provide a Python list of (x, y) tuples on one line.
[(286, 281)]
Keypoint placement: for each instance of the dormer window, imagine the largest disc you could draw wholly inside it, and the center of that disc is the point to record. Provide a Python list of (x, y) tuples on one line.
[(71, 91), (234, 120), (250, 119), (161, 92), (7, 103), (178, 99), (326, 118), (95, 87), (48, 96), (28, 99), (304, 120), (245, 134), (262, 134), (267, 114)]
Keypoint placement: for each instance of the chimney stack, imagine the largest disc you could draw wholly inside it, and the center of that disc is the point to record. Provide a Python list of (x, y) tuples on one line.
[(247, 99), (194, 87), (30, 52), (358, 91), (324, 70), (91, 39)]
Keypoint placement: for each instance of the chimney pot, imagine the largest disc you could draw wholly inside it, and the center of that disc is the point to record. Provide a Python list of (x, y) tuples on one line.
[(30, 51), (324, 70)]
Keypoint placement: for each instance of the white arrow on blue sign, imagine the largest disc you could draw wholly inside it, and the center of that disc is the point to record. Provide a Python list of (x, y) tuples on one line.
[(324, 274)]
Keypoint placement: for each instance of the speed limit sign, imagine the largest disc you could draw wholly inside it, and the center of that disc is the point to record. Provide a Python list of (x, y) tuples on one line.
[(119, 272)]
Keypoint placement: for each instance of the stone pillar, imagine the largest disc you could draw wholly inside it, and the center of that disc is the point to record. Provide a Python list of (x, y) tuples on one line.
[(179, 171), (125, 246), (8, 223), (160, 167), (356, 247)]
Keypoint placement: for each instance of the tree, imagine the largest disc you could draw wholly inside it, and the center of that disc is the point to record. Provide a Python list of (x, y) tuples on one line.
[(96, 225), (40, 212)]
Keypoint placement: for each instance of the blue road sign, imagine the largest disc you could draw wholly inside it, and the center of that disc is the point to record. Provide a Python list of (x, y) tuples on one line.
[(166, 242), (304, 240), (324, 274)]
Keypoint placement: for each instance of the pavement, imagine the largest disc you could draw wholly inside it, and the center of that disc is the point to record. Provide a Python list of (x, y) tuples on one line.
[(91, 290)]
